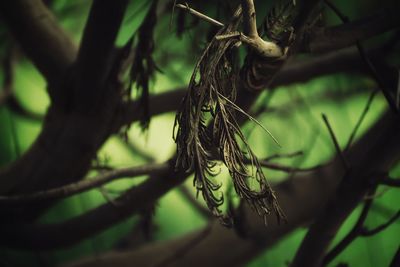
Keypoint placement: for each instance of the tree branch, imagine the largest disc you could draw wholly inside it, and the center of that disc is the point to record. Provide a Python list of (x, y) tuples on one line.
[(322, 40), (58, 235), (40, 36), (319, 184), (312, 191), (354, 186), (84, 185), (380, 228), (160, 103), (94, 58)]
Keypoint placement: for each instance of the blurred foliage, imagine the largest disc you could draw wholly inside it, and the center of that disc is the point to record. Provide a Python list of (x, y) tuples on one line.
[(293, 116)]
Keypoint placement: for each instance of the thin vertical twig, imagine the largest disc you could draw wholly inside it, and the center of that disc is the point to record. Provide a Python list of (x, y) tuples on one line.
[(361, 119), (335, 142)]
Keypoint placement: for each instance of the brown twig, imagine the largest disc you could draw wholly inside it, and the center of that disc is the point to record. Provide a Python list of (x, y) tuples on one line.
[(370, 232), (351, 191), (84, 185), (282, 155), (200, 15), (361, 119), (353, 234), (288, 169), (335, 142)]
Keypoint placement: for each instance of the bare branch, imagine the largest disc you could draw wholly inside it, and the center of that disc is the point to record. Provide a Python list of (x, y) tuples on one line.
[(380, 228), (160, 103), (361, 119), (289, 169), (351, 191), (200, 15), (84, 185), (57, 235), (312, 191), (381, 144), (335, 142), (287, 155), (341, 36), (366, 59), (353, 234), (95, 54), (40, 36)]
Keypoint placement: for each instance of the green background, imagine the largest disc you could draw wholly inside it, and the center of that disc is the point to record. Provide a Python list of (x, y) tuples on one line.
[(294, 119)]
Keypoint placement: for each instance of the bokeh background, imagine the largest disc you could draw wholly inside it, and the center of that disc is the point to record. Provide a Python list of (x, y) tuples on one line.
[(292, 113)]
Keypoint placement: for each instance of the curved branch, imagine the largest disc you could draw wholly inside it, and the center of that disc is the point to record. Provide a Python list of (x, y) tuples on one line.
[(40, 36), (84, 185), (337, 37), (380, 228), (57, 235)]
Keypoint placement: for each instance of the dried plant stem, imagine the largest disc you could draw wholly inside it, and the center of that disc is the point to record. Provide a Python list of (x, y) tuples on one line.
[(200, 15)]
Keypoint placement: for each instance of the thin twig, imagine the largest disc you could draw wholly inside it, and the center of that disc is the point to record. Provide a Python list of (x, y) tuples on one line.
[(84, 185), (200, 15), (335, 142), (380, 228), (353, 234), (280, 156), (289, 169), (361, 119)]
